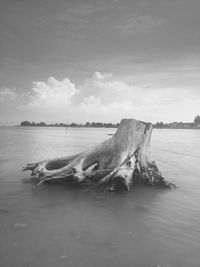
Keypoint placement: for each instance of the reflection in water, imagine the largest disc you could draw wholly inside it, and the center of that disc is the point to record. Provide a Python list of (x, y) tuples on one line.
[(56, 225)]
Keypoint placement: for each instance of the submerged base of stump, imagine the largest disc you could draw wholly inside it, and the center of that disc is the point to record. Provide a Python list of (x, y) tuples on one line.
[(117, 164)]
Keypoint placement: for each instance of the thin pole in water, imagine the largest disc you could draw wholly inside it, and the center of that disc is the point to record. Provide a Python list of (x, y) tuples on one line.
[(67, 124)]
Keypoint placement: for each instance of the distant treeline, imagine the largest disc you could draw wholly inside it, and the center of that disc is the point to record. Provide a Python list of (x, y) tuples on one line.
[(87, 124), (159, 125), (180, 125)]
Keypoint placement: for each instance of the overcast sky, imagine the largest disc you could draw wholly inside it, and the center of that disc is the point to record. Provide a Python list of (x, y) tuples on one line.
[(99, 60)]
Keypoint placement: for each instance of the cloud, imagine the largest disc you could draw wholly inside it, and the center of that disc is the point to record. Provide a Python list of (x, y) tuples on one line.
[(52, 93), (110, 89), (7, 94), (104, 97), (91, 101), (100, 76)]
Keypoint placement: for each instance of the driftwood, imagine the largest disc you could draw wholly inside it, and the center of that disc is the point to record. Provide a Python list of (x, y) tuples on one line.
[(117, 163)]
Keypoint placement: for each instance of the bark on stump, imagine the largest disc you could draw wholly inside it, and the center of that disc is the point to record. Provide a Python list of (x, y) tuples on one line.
[(117, 163)]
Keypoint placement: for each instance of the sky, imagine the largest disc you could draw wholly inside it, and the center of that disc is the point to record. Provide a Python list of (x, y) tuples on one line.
[(83, 60)]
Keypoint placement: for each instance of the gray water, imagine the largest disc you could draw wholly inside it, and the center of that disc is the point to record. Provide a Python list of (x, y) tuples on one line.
[(62, 226)]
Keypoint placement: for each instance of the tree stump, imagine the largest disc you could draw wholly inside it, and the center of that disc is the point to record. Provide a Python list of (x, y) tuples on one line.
[(118, 163)]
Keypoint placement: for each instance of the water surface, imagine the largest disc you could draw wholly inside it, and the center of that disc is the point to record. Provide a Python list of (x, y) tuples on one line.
[(62, 226)]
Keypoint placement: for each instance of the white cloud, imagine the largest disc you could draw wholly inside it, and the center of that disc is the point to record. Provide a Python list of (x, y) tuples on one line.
[(103, 97), (7, 94), (107, 98), (90, 101), (107, 88), (100, 76), (52, 94)]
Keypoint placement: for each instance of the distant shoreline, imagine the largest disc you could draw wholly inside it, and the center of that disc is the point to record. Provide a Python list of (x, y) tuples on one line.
[(158, 125), (72, 125), (47, 126), (113, 127)]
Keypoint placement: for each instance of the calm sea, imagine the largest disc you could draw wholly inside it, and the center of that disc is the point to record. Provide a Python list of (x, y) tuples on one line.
[(59, 226)]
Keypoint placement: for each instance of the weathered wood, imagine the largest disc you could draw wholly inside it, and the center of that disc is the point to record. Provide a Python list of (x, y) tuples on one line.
[(119, 162)]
